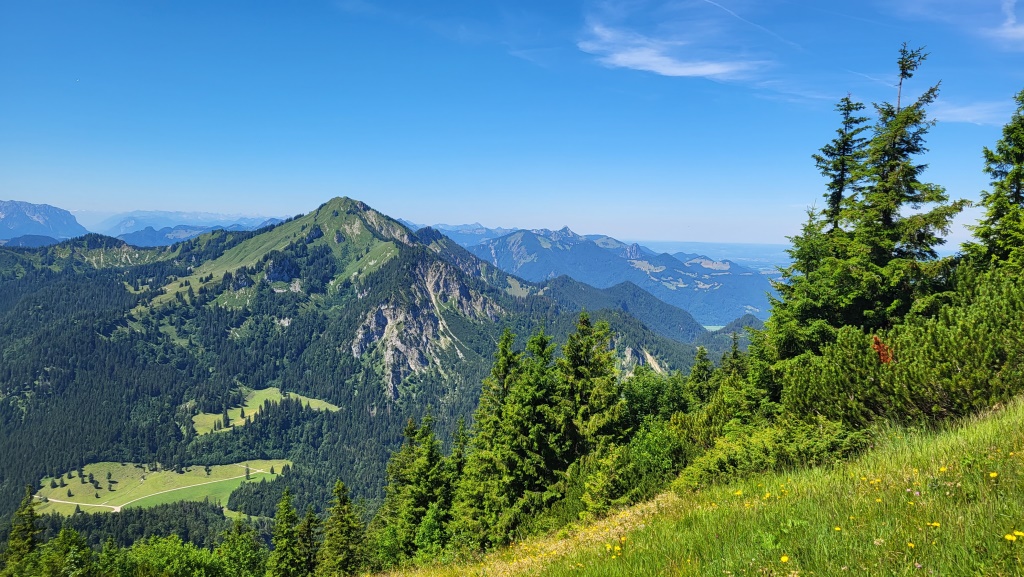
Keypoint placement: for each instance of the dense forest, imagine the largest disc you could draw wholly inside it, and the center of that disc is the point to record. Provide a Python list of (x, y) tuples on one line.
[(870, 327)]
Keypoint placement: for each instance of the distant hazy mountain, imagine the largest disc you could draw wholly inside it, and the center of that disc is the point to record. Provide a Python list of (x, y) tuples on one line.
[(165, 236), (138, 220), (171, 234), (714, 292), (30, 241), (19, 218), (764, 258), (466, 235)]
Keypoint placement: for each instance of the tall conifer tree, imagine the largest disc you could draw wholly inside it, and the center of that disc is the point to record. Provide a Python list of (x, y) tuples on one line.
[(286, 558), (868, 263), (1000, 232), (340, 553), (842, 161), (21, 541)]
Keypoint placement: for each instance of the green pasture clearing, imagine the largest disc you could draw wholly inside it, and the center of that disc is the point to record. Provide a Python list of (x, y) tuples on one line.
[(133, 485), (204, 422)]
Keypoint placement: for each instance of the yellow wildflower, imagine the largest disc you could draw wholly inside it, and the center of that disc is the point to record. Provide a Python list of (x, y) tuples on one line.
[(1010, 537), (784, 559), (993, 475), (1018, 533), (838, 528), (911, 545)]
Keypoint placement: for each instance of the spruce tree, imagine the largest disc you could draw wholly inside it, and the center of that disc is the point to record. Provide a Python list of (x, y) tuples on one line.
[(867, 265), (341, 550), (479, 495), (415, 480), (699, 380), (243, 553), (286, 558), (1000, 232), (842, 161), (308, 534), (895, 250), (589, 385), (532, 445), (21, 541)]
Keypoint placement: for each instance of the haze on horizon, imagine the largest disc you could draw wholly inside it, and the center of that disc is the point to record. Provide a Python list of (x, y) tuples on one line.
[(685, 120)]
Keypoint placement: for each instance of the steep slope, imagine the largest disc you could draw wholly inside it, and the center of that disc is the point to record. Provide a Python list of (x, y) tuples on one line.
[(19, 218), (714, 292), (921, 502)]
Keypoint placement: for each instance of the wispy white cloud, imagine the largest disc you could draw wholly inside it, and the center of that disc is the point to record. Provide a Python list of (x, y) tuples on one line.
[(995, 20), (1010, 31), (982, 113), (621, 48), (754, 24), (875, 79)]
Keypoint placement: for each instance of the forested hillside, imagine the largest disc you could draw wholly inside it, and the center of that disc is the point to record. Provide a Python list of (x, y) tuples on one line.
[(125, 345)]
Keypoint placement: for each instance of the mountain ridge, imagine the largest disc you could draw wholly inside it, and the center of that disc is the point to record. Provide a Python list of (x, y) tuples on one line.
[(714, 292), (19, 218)]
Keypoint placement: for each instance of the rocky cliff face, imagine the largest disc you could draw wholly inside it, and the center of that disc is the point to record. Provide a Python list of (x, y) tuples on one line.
[(411, 338)]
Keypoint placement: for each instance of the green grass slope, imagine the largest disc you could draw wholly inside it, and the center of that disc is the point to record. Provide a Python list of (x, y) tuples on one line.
[(948, 503), (254, 400)]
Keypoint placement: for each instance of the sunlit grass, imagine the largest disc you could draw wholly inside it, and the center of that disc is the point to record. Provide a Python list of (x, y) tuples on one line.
[(133, 485), (204, 422), (949, 503)]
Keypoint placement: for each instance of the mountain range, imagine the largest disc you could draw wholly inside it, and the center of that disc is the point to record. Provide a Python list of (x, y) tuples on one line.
[(714, 292), (139, 220), (466, 235), (127, 344)]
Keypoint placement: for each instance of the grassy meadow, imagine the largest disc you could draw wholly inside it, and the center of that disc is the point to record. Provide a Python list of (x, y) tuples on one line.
[(133, 485), (920, 503), (204, 422)]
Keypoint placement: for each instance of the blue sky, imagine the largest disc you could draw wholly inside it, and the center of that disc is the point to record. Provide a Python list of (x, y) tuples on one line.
[(659, 120)]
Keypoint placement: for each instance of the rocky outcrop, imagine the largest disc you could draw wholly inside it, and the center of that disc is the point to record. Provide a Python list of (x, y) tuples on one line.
[(409, 338)]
